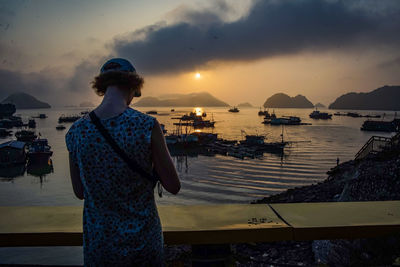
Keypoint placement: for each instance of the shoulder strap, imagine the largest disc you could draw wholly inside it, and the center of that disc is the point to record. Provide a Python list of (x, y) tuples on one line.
[(130, 162)]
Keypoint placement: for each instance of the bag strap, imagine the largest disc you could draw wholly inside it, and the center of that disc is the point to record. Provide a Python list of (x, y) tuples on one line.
[(130, 162)]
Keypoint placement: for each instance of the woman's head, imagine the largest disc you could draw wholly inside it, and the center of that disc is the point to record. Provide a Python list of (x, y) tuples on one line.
[(120, 73)]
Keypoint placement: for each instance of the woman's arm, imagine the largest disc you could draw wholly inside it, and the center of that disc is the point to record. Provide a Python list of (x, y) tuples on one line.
[(75, 178), (163, 161)]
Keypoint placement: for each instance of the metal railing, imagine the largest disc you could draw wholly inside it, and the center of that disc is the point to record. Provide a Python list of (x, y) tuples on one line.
[(374, 144)]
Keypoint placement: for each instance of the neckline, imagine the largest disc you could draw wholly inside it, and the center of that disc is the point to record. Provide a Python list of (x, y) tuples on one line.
[(107, 119)]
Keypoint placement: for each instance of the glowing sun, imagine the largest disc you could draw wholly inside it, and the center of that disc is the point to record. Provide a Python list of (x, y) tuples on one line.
[(197, 75)]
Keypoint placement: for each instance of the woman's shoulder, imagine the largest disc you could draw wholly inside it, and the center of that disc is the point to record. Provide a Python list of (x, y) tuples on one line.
[(139, 115)]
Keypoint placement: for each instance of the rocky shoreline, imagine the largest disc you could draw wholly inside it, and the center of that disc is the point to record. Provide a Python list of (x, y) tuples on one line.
[(375, 178)]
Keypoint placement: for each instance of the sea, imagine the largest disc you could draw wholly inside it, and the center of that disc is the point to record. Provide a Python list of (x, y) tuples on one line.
[(206, 179)]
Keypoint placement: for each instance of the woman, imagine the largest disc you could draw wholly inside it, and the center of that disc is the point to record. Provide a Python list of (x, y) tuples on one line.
[(121, 226)]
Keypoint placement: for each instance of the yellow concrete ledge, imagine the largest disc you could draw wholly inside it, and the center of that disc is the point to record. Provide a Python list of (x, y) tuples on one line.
[(334, 220), (211, 224), (214, 224)]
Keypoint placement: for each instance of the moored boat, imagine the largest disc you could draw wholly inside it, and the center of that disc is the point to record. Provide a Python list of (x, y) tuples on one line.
[(60, 127), (234, 110), (32, 123), (379, 126), (70, 118), (316, 114), (39, 151), (12, 152), (25, 136)]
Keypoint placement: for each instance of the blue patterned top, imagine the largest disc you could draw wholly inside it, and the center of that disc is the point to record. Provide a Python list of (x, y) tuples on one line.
[(121, 225)]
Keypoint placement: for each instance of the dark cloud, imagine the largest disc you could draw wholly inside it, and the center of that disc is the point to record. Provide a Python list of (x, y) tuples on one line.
[(271, 28)]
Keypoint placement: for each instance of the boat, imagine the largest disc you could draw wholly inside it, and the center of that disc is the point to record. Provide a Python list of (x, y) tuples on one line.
[(316, 114), (353, 114), (39, 151), (6, 123), (40, 116), (40, 169), (263, 112), (12, 152), (25, 136), (70, 118), (60, 127), (291, 120), (4, 132), (234, 110), (380, 126), (150, 112), (32, 123), (268, 117), (172, 109), (7, 110), (16, 121)]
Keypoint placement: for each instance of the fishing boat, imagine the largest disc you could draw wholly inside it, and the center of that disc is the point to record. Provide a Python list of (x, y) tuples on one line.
[(268, 117), (379, 126), (25, 136), (39, 151), (69, 118), (32, 123), (291, 120), (40, 116), (152, 112), (12, 152), (7, 110), (60, 127), (234, 110), (263, 112), (4, 132), (316, 114), (353, 114)]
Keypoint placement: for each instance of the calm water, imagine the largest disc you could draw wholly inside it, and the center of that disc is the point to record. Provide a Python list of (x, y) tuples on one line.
[(205, 180)]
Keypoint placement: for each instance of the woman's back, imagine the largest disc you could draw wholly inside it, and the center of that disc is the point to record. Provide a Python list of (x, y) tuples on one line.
[(121, 223)]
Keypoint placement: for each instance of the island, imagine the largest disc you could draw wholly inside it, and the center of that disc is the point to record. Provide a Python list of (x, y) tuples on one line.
[(245, 105), (24, 101), (383, 98), (281, 100), (202, 99), (319, 105)]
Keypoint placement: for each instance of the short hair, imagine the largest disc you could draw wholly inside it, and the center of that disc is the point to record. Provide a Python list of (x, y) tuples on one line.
[(130, 80)]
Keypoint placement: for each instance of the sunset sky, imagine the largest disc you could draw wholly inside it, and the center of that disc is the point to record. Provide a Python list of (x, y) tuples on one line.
[(244, 50)]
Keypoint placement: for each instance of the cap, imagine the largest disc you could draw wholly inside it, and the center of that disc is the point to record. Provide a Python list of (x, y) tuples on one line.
[(117, 64)]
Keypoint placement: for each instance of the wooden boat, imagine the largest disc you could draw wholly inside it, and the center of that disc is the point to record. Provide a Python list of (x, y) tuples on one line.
[(4, 132), (234, 110), (32, 123), (25, 136), (39, 151), (316, 114), (60, 127), (70, 118), (12, 152), (379, 126), (151, 112)]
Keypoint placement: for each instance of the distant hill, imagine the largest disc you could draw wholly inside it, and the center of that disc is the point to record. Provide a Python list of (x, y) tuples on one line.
[(25, 101), (319, 105), (281, 100), (180, 100), (86, 104), (245, 105), (383, 98)]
